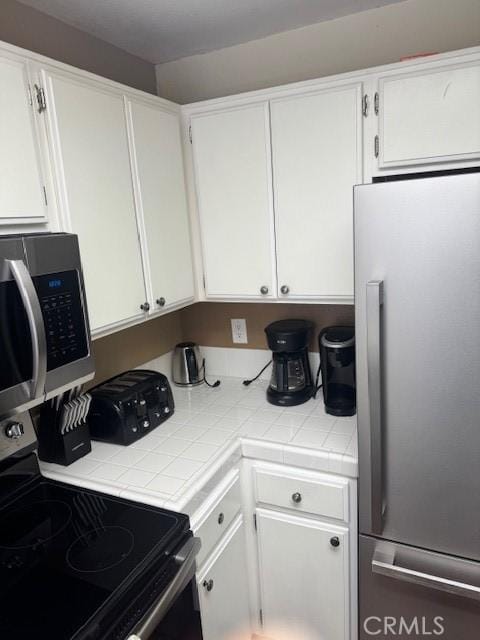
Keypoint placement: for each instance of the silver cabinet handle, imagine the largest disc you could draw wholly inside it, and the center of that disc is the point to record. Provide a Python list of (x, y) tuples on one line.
[(264, 290), (284, 289), (208, 584), (297, 497), (161, 302), (386, 566), (33, 310), (374, 381), (145, 306), (185, 558)]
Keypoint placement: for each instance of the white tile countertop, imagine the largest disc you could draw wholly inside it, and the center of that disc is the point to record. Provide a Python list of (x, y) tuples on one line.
[(210, 430)]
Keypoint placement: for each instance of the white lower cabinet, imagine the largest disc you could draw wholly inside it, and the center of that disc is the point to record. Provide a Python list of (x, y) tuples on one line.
[(223, 588), (304, 577)]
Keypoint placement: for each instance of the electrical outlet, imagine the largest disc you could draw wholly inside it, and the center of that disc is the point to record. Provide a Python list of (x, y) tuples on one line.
[(239, 331)]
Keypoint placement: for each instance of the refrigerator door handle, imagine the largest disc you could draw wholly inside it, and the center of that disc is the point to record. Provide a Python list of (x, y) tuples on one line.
[(385, 566), (374, 381)]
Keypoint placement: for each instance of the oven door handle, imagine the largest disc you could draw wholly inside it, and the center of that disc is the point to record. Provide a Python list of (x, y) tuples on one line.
[(185, 558), (31, 303)]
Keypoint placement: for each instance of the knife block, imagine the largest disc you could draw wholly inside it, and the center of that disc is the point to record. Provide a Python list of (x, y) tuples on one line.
[(59, 448)]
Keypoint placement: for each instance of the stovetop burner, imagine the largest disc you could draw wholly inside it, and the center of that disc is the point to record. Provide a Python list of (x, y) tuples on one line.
[(100, 549), (77, 557), (30, 525)]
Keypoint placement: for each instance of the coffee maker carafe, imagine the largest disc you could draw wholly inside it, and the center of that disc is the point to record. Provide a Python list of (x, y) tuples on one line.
[(337, 361), (291, 382)]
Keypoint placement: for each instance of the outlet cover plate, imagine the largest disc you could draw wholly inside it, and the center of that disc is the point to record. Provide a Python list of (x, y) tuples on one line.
[(239, 330)]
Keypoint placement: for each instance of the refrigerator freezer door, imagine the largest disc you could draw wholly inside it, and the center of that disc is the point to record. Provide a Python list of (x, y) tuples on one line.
[(417, 290), (407, 593)]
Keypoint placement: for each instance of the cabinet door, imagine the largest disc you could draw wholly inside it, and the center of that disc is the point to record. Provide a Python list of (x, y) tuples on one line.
[(316, 142), (233, 179), (304, 582), (223, 589), (95, 184), (161, 203), (430, 116), (22, 197)]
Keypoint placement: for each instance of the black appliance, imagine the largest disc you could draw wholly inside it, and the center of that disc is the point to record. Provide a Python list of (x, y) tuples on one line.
[(130, 405), (291, 381), (337, 362), (76, 564)]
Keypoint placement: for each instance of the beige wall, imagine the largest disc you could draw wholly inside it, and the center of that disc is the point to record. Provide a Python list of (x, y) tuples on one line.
[(208, 323), (134, 346), (25, 27), (362, 40)]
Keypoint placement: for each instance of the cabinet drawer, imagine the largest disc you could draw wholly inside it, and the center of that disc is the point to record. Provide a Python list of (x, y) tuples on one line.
[(302, 491), (221, 508)]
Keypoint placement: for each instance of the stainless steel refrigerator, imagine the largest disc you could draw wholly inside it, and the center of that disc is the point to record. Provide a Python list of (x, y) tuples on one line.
[(417, 296)]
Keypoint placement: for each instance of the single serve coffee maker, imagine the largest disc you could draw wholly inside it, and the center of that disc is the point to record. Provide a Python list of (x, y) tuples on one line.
[(337, 362), (291, 382)]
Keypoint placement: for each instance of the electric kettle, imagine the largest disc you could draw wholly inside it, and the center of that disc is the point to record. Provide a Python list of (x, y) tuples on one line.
[(187, 365)]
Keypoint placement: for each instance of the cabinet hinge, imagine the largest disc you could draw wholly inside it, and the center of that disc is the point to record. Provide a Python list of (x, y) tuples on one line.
[(255, 521), (190, 133), (365, 106), (41, 101), (45, 196), (376, 103), (204, 281), (377, 146), (260, 615), (30, 99)]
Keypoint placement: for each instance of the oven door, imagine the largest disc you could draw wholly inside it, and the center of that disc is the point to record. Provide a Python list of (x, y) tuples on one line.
[(23, 349), (150, 627)]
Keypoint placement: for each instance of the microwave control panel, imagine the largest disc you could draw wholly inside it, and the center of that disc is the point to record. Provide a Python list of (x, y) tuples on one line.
[(60, 298)]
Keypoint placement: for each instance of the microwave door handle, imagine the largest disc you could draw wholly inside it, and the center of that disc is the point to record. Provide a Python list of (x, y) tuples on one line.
[(374, 380), (36, 324), (386, 567), (185, 558)]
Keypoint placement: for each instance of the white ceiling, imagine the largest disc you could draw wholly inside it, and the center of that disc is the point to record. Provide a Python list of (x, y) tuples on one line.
[(163, 30)]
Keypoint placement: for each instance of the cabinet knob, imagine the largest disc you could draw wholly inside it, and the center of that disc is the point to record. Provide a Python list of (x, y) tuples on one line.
[(297, 497), (284, 289), (221, 518), (335, 541), (208, 584), (145, 306), (161, 302), (264, 290)]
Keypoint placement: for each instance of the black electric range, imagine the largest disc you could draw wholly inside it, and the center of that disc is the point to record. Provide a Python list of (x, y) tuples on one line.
[(77, 564)]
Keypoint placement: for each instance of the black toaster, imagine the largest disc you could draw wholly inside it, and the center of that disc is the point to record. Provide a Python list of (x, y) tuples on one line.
[(130, 405)]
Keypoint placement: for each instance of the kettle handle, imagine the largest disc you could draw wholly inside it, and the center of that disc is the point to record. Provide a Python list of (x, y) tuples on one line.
[(192, 365)]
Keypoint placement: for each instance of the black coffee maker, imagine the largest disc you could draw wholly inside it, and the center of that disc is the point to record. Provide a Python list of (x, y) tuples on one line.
[(291, 382), (337, 361)]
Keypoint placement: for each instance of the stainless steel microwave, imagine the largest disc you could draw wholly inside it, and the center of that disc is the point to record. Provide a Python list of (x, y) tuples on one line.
[(45, 345)]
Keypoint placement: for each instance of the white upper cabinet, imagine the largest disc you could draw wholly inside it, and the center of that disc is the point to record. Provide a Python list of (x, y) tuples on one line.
[(94, 180), (429, 116), (231, 153), (317, 159), (22, 195), (304, 577), (161, 203)]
